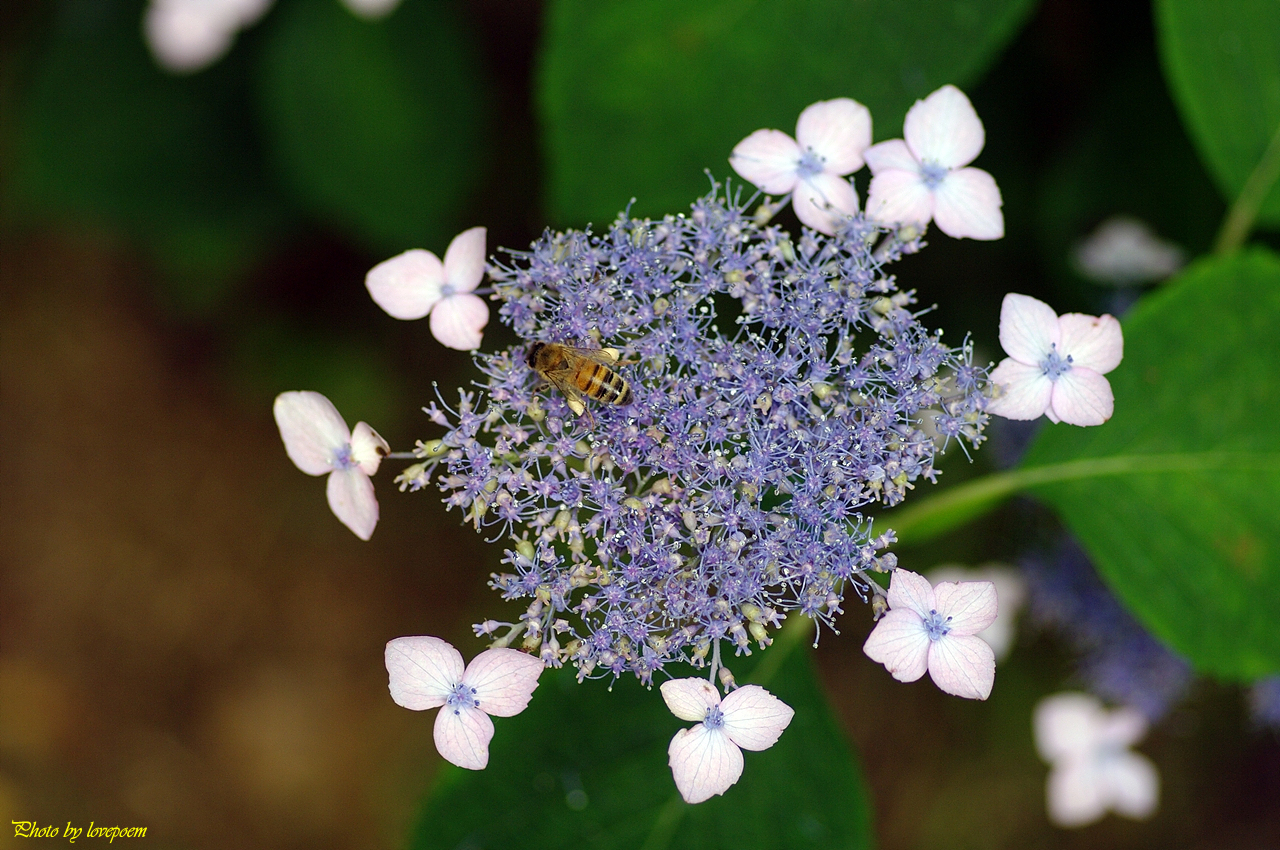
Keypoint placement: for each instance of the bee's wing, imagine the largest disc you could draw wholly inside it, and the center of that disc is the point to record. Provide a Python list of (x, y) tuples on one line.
[(561, 379), (603, 356)]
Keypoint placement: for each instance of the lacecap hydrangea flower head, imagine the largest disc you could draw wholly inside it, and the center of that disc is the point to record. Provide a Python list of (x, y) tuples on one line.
[(779, 387), (681, 449)]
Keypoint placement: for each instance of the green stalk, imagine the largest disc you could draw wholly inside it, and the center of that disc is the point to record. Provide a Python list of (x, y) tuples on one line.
[(951, 508), (1243, 213)]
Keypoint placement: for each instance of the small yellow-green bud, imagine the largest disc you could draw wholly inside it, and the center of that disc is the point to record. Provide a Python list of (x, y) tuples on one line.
[(726, 679), (788, 250), (430, 449), (879, 605)]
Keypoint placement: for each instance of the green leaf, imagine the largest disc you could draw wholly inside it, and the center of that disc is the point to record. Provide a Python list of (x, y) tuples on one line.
[(638, 97), (266, 358), (101, 133), (1118, 161), (1177, 498), (376, 124), (1223, 65), (586, 767)]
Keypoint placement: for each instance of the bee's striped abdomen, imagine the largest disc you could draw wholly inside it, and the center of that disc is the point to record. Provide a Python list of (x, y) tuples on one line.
[(601, 383)]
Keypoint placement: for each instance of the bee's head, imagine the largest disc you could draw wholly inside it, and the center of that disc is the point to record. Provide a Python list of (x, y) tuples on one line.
[(531, 359)]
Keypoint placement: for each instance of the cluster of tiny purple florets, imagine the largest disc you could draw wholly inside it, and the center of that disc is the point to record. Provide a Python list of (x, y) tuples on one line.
[(779, 389)]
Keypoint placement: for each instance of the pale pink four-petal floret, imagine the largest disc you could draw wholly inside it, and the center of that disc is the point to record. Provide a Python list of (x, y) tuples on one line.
[(935, 630), (427, 672), (706, 760), (923, 177), (188, 35), (1092, 768), (1056, 363), (318, 442), (416, 283), (830, 138), (1011, 589)]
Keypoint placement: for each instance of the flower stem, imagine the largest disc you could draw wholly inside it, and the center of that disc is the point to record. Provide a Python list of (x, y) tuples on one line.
[(1243, 213), (795, 630), (953, 507)]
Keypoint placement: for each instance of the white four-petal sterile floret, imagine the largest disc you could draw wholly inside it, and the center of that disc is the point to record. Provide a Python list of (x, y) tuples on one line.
[(415, 283), (1011, 590), (1092, 769), (706, 760), (830, 138), (923, 177), (188, 35), (427, 672), (1125, 251), (935, 630), (318, 442), (1055, 363)]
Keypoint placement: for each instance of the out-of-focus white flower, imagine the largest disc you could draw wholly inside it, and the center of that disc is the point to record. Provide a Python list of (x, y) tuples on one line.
[(935, 630), (923, 177), (427, 672), (415, 283), (830, 138), (1055, 363), (1124, 251), (318, 442), (187, 35), (1011, 589), (706, 759), (1091, 767), (371, 9)]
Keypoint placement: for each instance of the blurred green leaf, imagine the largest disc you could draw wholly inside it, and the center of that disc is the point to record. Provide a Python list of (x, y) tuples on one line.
[(267, 358), (1119, 163), (376, 124), (586, 767), (638, 98), (1177, 498), (103, 134), (1222, 61)]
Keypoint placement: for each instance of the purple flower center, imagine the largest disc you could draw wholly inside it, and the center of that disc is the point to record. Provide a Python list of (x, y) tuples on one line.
[(1055, 365), (936, 625), (342, 459), (933, 173), (462, 696), (738, 473), (810, 164), (714, 718)]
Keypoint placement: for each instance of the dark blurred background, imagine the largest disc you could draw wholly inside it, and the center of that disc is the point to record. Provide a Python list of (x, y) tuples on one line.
[(189, 641)]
